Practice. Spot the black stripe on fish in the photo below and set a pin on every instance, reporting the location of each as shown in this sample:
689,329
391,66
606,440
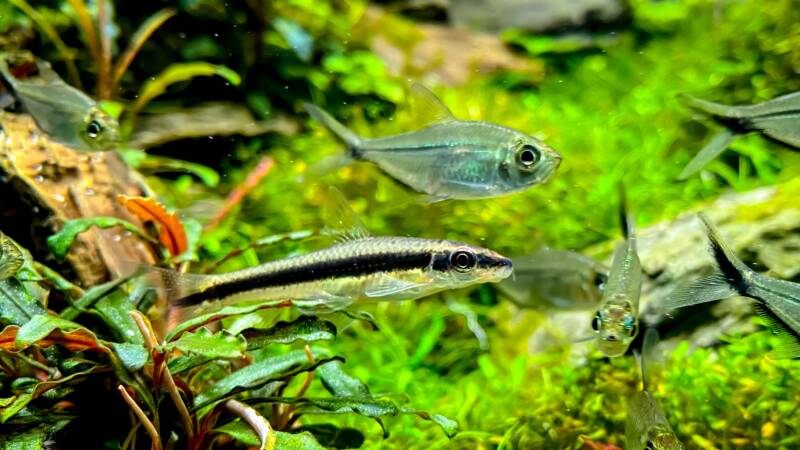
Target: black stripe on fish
727,267
355,266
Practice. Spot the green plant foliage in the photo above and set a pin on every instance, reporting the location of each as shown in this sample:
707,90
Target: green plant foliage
61,242
607,103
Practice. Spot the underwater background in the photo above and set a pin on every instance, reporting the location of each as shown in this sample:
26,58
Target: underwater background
596,80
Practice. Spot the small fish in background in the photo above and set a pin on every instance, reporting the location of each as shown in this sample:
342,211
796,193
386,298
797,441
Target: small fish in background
617,320
358,268
64,113
777,119
11,258
646,427
552,279
449,158
777,301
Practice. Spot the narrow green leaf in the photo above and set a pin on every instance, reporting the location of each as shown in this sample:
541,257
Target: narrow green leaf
132,356
177,72
259,374
212,345
156,164
183,363
60,242
305,328
39,327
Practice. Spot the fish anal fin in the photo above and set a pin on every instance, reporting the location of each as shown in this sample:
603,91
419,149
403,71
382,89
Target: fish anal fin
717,145
341,221
386,285
426,107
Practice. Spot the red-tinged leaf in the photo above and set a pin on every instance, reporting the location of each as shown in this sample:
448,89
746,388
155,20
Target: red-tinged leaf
171,232
589,444
237,195
76,341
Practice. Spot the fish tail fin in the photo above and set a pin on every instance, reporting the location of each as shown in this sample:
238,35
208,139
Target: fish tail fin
788,342
178,288
717,110
626,220
726,281
350,139
717,145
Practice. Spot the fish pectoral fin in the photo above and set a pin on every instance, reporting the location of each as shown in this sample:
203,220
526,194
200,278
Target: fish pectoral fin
788,346
717,145
387,285
341,221
426,107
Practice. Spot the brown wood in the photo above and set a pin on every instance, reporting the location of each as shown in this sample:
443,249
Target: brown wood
44,184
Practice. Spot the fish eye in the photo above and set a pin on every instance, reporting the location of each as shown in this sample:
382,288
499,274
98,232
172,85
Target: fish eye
528,155
600,280
463,260
596,322
94,129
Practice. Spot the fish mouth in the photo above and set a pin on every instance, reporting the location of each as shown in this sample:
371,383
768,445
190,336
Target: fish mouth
503,268
612,346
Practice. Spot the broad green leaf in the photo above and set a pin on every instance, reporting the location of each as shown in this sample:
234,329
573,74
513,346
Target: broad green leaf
306,328
212,345
39,327
178,72
294,441
60,242
339,383
17,304
259,374
115,311
132,356
19,402
220,314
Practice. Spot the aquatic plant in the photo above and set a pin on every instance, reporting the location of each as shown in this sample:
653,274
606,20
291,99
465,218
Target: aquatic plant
607,101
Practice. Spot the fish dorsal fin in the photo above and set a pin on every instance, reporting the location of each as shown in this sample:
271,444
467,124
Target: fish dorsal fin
426,107
651,360
341,221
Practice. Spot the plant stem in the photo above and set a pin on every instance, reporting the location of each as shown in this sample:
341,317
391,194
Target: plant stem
148,425
172,389
256,421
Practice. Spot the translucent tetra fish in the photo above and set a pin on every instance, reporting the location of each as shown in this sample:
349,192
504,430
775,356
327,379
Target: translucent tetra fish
646,427
556,280
617,320
64,113
450,158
